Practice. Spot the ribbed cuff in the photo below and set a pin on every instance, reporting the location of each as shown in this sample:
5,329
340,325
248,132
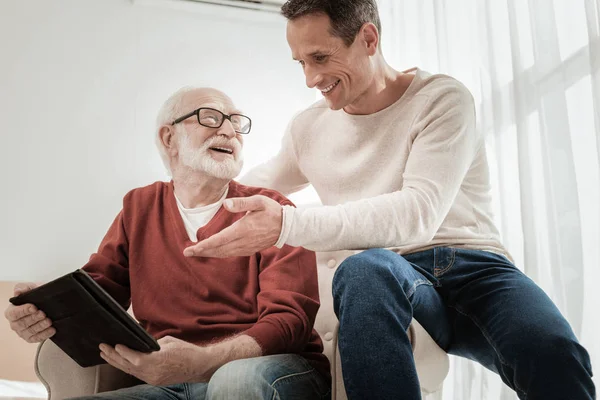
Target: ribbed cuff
286,225
267,337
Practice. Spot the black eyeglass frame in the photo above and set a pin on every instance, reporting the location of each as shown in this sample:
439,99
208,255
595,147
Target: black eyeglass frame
196,112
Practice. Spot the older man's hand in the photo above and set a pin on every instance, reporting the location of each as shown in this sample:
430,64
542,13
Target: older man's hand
257,230
176,362
26,320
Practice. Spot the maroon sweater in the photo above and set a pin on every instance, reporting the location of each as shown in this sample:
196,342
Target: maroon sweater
271,296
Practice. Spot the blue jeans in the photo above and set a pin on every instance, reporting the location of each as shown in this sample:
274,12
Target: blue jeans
282,376
474,304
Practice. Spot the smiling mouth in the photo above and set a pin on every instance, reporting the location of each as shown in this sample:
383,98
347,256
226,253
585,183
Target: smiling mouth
330,87
222,150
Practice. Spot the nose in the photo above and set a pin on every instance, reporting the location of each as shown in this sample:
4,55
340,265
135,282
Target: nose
227,129
313,78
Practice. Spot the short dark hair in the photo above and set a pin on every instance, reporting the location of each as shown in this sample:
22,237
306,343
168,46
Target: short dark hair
347,16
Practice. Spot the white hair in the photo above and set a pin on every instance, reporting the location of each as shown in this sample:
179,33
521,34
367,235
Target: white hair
170,110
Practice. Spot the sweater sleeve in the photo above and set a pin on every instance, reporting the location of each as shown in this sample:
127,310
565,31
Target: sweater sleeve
288,300
109,266
281,173
443,150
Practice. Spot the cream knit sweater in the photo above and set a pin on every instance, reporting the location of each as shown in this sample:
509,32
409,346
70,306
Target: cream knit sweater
409,177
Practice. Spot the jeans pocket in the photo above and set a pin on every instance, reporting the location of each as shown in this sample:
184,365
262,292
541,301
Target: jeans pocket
444,258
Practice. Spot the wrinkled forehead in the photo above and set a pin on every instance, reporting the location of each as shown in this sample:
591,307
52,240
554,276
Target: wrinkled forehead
211,98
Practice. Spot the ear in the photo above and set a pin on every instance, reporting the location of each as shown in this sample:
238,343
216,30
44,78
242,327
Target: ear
166,134
370,37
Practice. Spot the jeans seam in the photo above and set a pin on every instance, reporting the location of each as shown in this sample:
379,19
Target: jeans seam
437,272
288,376
417,283
491,342
186,389
275,393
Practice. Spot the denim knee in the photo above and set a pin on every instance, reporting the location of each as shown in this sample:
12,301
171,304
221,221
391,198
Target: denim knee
238,380
366,281
268,377
364,269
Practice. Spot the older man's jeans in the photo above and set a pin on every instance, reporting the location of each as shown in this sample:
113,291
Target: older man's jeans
474,304
283,376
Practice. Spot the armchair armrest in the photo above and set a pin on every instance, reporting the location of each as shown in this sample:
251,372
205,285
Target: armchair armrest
64,378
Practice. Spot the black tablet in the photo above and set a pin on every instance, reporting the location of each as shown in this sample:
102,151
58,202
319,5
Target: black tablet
84,315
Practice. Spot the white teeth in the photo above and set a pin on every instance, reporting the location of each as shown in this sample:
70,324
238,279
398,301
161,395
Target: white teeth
328,88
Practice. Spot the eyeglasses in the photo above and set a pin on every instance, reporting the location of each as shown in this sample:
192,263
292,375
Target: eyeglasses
212,118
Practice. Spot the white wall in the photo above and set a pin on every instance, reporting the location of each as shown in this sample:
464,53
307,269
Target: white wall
80,84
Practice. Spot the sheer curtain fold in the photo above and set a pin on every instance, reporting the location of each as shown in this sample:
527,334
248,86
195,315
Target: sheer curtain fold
534,69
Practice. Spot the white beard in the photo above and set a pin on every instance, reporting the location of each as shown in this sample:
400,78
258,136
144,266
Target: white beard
201,161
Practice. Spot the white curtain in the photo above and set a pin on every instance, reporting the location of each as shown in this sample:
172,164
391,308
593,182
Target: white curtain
533,67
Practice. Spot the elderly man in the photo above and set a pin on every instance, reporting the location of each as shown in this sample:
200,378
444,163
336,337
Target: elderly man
401,169
239,328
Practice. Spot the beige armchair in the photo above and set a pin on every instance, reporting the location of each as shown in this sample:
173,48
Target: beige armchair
63,378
